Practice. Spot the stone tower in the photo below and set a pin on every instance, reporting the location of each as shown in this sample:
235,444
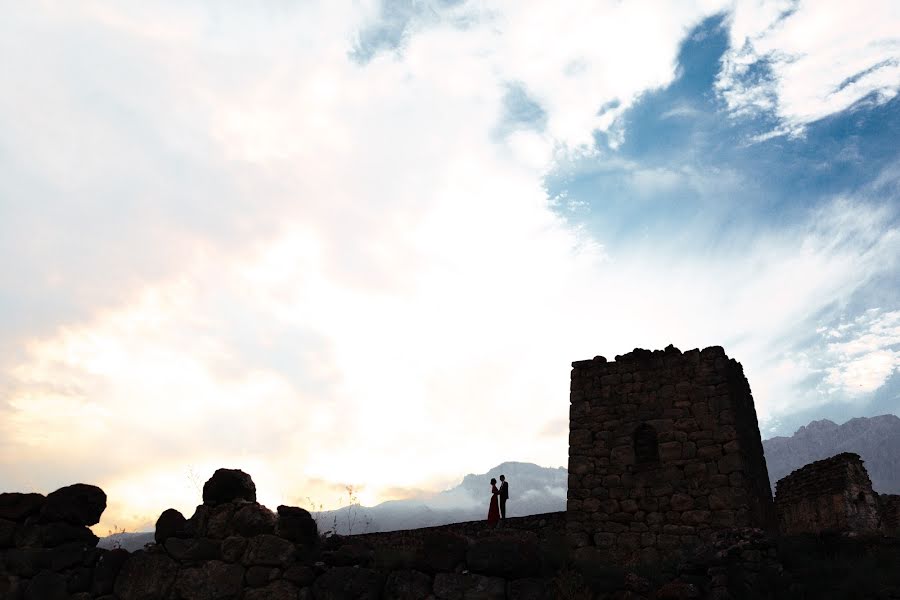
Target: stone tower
664,450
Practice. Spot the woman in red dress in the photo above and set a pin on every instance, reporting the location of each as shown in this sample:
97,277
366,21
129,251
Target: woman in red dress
494,509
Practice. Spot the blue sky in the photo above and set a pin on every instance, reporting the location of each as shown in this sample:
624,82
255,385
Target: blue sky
304,239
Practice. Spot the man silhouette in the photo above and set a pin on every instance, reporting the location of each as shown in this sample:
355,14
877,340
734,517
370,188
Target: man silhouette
504,496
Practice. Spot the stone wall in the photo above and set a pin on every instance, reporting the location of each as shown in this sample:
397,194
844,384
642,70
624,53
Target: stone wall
834,494
889,508
233,547
664,450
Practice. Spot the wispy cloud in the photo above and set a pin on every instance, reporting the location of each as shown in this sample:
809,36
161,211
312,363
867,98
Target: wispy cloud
802,61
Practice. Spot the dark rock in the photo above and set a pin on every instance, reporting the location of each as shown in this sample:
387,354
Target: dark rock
67,556
350,555
504,557
218,523
395,558
196,549
297,525
277,590
530,588
212,580
407,585
7,533
228,485
170,523
299,575
145,576
253,519
444,550
678,590
12,587
47,585
25,562
260,576
197,524
464,586
268,550
47,535
108,566
79,504
16,507
233,548
79,580
341,583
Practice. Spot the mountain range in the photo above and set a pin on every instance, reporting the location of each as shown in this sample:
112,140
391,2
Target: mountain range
534,489
875,439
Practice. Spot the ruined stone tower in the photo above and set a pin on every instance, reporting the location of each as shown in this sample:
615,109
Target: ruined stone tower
664,450
834,494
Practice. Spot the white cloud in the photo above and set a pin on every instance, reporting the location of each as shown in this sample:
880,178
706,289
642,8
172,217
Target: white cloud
866,354
803,61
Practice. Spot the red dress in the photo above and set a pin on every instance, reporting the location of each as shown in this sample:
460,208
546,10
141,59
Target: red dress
494,509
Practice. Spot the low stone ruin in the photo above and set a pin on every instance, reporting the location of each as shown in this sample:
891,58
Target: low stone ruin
834,494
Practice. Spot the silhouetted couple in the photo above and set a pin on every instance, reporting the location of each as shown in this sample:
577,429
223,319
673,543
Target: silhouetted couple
497,510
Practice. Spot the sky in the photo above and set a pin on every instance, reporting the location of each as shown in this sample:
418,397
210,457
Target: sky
360,243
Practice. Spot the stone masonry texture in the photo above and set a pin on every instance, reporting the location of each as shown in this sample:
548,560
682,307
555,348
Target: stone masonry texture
889,505
834,494
664,451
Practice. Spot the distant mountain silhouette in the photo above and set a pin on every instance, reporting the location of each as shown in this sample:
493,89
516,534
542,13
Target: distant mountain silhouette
875,439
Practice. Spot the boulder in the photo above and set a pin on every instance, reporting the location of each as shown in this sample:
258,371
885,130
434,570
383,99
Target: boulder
678,590
79,504
260,576
228,485
443,550
218,522
67,556
212,580
268,551
171,523
465,586
299,575
277,590
47,585
16,507
407,585
79,580
504,557
33,534
340,583
145,576
350,555
297,525
530,588
399,557
25,562
107,569
233,548
252,519
197,524
11,587
195,549
7,533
